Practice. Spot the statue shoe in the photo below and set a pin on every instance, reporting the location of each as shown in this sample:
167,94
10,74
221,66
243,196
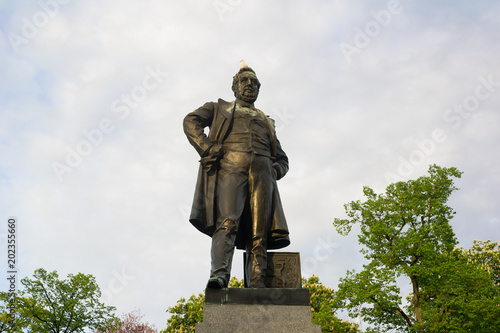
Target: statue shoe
216,283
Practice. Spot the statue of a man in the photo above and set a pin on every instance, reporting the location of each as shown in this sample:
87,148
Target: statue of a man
236,199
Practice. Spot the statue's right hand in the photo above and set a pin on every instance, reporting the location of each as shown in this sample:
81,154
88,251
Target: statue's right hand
211,160
216,151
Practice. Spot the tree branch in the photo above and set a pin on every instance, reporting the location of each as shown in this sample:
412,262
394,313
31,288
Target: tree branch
408,320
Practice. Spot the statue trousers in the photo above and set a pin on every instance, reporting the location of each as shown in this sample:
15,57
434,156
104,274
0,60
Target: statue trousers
245,185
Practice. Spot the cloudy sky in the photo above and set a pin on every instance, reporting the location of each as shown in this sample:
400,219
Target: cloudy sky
100,176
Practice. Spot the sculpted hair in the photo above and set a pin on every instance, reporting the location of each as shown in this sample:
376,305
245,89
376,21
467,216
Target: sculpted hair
237,76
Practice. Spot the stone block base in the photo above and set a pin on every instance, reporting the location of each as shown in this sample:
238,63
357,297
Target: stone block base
273,310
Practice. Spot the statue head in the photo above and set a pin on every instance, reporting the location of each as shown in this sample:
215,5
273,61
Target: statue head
246,85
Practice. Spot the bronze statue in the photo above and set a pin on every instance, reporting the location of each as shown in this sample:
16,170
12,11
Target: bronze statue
236,199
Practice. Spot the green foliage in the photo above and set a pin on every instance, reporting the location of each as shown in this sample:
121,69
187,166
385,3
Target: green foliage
406,235
185,314
12,322
487,255
463,296
47,304
324,305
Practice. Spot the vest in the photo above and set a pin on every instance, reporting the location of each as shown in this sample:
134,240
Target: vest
249,134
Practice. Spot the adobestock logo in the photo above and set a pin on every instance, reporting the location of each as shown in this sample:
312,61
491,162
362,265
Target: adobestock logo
39,20
116,285
324,249
454,116
283,118
417,157
470,104
94,137
372,29
222,7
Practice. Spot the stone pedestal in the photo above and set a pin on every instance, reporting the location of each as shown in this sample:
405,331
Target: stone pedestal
275,310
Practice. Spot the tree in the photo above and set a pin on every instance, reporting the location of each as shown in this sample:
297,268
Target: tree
465,296
186,313
47,304
406,235
323,307
12,319
131,323
486,254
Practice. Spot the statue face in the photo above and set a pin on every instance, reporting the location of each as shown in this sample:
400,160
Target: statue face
248,87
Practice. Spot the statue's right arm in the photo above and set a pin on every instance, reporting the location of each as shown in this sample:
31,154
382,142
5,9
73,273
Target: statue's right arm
194,125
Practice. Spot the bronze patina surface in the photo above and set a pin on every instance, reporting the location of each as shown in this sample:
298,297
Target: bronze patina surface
236,199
